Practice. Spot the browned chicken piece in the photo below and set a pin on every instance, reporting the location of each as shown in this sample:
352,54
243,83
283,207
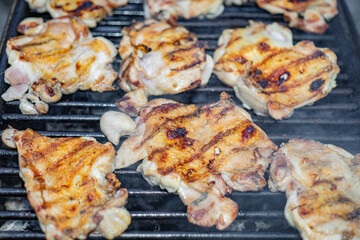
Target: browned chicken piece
89,11
269,74
54,58
307,15
322,184
201,153
171,10
162,59
70,184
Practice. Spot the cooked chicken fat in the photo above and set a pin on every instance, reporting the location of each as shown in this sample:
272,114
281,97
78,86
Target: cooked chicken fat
201,153
116,124
171,10
269,74
70,184
89,11
307,15
162,59
322,185
54,58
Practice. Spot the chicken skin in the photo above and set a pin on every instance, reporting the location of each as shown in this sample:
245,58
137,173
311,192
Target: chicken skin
201,153
322,185
171,10
307,15
54,58
269,74
89,11
162,59
70,184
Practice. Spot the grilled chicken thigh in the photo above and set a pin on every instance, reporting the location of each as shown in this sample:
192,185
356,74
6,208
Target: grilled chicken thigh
172,9
162,59
307,15
70,184
54,58
89,11
269,74
201,153
322,185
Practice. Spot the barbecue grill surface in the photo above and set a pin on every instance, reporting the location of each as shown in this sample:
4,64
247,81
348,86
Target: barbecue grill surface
156,213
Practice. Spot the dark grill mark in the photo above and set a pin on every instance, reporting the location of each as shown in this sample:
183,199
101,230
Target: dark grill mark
187,66
263,47
209,165
194,84
256,72
353,215
315,85
85,5
89,197
248,133
50,92
284,77
241,60
143,48
176,133
187,142
318,53
264,83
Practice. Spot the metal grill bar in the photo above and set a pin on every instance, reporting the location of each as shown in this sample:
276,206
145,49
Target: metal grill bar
166,235
30,215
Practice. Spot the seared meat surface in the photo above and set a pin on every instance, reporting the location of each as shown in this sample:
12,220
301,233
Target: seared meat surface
172,9
322,185
70,184
269,74
201,153
160,58
89,11
54,58
307,15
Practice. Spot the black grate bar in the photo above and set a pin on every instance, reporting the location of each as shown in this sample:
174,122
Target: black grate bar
166,235
15,171
318,121
118,34
15,116
336,91
29,215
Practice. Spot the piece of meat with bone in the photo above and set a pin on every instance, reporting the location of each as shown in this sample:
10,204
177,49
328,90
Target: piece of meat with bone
89,11
269,74
307,15
201,153
171,10
162,59
322,184
54,58
70,184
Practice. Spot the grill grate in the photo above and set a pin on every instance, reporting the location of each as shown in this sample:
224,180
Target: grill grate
158,214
